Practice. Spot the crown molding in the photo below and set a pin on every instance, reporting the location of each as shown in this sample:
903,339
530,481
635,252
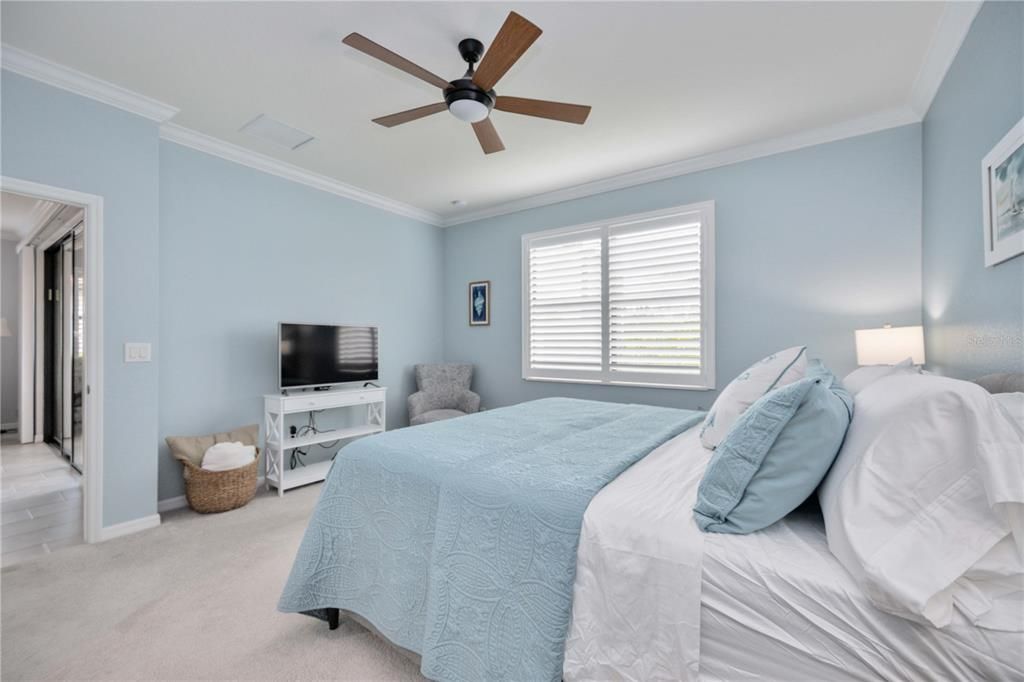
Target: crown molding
60,76
39,215
954,24
860,126
37,212
42,212
261,162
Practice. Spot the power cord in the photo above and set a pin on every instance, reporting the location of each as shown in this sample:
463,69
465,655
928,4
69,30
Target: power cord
309,427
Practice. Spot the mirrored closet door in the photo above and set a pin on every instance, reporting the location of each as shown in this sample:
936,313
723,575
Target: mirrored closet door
64,345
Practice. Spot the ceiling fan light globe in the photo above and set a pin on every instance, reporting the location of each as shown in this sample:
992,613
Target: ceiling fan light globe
468,110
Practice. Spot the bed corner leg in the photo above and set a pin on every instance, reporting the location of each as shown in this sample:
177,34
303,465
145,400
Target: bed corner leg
333,617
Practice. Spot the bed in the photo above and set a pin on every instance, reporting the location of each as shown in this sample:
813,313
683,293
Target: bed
457,540
775,604
644,594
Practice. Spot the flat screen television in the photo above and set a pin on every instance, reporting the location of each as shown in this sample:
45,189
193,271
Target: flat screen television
322,355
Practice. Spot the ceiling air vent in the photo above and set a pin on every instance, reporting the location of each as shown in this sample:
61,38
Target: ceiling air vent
276,132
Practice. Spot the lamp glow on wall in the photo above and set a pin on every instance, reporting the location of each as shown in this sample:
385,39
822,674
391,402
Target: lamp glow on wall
889,345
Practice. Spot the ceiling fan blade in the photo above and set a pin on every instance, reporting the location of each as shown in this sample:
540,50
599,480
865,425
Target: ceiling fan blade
488,136
393,120
556,111
367,46
514,37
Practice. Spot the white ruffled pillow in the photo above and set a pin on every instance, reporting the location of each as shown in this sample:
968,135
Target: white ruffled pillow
775,371
924,505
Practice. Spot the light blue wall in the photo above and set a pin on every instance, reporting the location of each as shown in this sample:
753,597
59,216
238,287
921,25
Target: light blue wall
811,245
241,250
204,257
973,315
60,139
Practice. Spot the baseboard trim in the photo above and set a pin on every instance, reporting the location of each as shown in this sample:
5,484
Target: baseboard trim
10,426
129,527
171,503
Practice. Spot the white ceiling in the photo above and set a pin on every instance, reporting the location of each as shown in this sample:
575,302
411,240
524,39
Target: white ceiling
667,81
19,214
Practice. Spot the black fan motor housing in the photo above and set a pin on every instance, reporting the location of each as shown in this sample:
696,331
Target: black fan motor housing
465,88
471,50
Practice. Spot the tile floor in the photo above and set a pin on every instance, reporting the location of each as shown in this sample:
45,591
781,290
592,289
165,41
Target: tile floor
40,501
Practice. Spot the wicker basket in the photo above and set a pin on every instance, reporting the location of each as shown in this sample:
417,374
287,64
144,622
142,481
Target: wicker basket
209,492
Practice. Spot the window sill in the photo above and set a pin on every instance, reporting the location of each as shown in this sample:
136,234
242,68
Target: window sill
627,384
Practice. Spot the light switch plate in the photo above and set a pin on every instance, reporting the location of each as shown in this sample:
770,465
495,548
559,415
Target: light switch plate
138,352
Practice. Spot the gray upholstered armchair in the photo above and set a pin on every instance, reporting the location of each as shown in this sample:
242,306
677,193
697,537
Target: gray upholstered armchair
443,393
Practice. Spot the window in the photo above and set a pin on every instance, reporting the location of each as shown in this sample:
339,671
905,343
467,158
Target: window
627,301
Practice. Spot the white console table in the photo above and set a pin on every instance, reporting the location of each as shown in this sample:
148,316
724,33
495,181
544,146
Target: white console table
278,441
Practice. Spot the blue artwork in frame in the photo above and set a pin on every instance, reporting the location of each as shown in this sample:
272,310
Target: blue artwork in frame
479,303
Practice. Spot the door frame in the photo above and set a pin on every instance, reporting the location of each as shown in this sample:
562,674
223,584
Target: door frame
92,474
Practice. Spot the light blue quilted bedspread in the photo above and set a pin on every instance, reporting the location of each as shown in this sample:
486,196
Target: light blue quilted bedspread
457,539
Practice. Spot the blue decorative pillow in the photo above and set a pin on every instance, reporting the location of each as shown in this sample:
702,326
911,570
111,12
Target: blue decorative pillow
775,455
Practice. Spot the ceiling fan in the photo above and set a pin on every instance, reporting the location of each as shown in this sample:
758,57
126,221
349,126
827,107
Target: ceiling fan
471,97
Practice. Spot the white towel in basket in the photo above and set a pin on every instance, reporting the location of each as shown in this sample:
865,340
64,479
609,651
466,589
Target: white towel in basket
224,456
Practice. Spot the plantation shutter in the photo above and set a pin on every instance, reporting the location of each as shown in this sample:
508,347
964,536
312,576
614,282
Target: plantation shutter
565,313
627,301
654,298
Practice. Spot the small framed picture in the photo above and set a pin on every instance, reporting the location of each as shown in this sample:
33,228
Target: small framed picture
1002,182
479,303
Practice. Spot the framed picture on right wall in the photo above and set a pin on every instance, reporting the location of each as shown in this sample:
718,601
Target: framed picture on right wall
1002,182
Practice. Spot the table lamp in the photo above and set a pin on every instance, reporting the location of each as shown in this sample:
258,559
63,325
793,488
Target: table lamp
889,345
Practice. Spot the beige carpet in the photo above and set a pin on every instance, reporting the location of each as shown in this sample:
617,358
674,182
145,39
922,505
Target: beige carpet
193,599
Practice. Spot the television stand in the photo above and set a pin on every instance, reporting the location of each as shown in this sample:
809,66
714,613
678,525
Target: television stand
370,401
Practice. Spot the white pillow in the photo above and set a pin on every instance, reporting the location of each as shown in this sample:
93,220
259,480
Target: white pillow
1013,404
857,380
924,505
774,371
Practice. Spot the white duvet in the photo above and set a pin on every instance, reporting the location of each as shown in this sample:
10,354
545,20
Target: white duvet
636,599
655,599
777,605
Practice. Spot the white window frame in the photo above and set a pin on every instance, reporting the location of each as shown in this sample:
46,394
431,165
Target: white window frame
705,381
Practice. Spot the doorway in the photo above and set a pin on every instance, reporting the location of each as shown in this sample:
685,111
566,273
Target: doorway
44,294
65,380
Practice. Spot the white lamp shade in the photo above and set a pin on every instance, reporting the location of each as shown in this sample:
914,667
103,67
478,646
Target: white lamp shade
5,329
890,345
